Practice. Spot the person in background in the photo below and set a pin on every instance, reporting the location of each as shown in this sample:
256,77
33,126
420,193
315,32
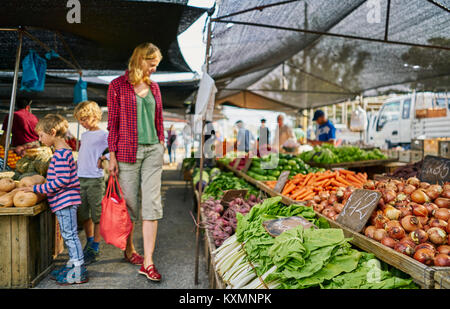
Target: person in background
94,143
244,137
187,139
23,134
263,138
63,193
326,132
299,134
171,144
282,133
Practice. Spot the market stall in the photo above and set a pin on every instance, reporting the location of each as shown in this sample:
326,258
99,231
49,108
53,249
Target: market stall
404,240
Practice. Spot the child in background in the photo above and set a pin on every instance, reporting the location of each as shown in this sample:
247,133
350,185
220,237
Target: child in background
93,144
63,192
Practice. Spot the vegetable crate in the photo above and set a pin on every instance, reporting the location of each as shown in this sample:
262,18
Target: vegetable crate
442,279
27,239
422,274
215,281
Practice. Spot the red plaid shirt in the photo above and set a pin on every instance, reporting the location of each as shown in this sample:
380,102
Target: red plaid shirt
122,118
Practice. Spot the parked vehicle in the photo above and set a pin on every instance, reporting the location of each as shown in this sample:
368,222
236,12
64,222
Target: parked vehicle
396,123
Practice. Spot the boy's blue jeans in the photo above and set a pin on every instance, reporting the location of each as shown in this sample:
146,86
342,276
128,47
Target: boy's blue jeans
67,218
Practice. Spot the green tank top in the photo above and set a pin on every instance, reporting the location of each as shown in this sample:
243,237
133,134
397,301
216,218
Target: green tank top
146,119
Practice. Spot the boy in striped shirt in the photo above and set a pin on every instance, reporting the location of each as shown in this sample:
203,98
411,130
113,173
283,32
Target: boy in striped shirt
63,193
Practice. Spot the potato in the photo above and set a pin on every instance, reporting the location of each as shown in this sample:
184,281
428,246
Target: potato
31,181
7,200
25,199
7,184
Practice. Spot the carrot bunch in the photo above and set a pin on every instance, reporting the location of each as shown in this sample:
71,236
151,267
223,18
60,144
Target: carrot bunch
305,187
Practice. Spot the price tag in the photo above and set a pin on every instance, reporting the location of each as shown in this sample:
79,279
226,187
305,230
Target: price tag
435,170
236,163
230,195
248,162
281,181
358,209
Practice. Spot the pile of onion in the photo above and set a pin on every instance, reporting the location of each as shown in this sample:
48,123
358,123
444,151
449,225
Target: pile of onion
413,218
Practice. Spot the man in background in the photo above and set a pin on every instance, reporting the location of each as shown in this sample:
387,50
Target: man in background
244,137
326,132
282,133
22,130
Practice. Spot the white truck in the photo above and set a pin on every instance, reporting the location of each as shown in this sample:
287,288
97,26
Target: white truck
396,123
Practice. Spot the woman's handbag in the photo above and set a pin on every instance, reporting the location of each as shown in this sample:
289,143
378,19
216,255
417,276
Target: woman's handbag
115,222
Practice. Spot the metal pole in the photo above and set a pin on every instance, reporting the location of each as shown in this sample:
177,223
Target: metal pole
200,188
13,101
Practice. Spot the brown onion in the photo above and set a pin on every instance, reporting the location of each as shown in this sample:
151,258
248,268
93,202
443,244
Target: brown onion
418,236
411,223
434,191
426,227
419,196
396,232
423,220
446,194
369,184
404,248
328,211
419,210
409,189
442,202
424,185
405,211
324,195
317,199
426,245
445,249
442,260
446,186
380,221
391,186
448,226
424,256
391,212
380,234
318,208
400,187
413,181
437,235
338,207
389,242
389,195
442,214
370,231
391,224
409,241
332,199
431,207
439,223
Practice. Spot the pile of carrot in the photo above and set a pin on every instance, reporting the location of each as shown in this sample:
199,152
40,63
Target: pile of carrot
305,187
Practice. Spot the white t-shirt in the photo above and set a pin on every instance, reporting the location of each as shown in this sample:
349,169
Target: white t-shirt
93,144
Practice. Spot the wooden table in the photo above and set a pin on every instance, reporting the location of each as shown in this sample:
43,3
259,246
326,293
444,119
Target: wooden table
27,240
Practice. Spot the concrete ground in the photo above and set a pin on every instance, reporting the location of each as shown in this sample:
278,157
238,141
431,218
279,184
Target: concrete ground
175,249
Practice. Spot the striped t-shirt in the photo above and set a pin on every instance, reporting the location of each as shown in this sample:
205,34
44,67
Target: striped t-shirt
62,186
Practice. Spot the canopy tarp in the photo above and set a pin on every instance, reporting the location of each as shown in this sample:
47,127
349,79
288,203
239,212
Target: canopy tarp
320,68
105,38
248,99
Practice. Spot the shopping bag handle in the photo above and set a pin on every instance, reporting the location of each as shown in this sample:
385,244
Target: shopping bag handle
112,182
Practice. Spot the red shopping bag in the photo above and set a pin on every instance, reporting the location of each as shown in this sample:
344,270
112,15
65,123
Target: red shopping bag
115,222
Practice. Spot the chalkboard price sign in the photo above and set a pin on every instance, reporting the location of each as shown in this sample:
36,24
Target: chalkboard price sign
435,170
358,209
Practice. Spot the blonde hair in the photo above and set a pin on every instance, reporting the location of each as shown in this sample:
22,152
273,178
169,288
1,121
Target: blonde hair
87,109
144,51
53,122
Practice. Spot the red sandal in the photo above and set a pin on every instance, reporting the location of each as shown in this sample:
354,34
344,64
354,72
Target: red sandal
150,272
135,259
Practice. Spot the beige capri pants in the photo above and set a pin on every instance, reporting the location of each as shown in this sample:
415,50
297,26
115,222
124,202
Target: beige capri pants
141,182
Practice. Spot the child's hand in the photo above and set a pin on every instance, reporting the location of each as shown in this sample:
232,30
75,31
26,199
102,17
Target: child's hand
99,162
26,189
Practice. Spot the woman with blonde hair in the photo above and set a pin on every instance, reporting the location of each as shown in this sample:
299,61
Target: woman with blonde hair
136,145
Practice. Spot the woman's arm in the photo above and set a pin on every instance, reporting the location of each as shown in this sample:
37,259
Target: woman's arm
113,118
159,116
